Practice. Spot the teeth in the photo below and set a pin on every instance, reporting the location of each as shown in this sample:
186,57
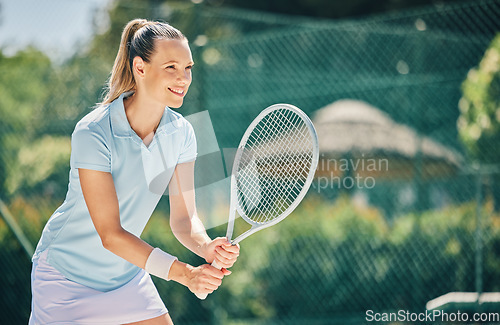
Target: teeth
178,91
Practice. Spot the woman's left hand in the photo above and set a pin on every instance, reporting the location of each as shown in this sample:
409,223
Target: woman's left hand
222,251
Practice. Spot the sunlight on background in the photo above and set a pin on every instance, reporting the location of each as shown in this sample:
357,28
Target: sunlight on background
57,27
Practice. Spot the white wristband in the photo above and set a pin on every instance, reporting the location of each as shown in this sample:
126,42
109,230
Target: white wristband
159,263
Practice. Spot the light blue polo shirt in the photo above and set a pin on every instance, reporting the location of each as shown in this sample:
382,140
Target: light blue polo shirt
103,140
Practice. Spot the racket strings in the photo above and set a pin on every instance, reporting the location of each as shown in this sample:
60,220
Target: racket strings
275,165
286,194
299,175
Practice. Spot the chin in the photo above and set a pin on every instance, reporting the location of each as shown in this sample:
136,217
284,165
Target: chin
173,102
175,105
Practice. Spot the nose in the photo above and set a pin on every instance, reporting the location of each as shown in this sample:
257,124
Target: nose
184,77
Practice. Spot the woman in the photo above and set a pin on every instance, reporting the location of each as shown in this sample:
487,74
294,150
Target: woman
90,266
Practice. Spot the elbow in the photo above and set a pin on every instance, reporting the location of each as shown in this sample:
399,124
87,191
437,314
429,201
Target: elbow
106,242
109,239
176,223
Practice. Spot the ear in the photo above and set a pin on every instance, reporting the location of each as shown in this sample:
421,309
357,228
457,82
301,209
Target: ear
138,67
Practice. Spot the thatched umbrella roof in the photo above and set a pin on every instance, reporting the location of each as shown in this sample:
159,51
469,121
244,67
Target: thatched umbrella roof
357,129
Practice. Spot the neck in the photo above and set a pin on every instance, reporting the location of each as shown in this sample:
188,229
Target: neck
143,115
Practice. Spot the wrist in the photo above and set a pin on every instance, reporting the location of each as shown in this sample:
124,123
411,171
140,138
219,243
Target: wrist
159,263
180,272
203,248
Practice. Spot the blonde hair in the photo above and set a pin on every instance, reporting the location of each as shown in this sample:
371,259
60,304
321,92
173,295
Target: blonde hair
137,40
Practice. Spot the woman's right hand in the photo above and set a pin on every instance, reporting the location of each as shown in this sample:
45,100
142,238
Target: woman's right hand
204,279
201,279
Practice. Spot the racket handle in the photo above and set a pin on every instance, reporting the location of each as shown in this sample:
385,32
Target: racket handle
202,296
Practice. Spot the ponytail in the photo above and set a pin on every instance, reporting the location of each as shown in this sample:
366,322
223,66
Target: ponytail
137,40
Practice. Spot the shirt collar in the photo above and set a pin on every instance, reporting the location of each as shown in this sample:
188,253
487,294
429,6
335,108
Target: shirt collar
119,123
121,127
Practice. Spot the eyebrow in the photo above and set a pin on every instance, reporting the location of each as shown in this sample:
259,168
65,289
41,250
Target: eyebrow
173,61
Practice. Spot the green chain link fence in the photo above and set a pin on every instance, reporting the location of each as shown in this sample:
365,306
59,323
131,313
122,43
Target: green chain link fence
424,223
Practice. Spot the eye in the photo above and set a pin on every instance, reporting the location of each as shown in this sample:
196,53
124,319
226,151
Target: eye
170,67
189,67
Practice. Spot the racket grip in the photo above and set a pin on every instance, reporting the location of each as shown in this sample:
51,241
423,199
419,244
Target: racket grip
202,296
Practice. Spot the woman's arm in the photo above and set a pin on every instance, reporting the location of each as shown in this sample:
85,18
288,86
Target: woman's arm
100,195
186,225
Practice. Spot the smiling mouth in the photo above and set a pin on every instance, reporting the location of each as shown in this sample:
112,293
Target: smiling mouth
177,91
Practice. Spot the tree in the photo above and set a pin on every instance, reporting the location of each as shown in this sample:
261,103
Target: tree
24,81
479,121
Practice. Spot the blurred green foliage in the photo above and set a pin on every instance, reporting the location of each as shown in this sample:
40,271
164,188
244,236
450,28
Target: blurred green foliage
40,104
326,258
335,257
479,122
43,161
25,82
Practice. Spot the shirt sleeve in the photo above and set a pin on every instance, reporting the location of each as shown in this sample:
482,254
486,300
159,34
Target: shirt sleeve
189,150
89,149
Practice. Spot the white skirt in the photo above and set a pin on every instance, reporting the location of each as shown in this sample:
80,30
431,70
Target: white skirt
57,300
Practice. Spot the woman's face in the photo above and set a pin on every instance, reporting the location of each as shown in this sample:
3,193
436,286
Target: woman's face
168,74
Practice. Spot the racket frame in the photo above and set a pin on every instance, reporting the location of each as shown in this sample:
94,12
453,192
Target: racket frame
234,206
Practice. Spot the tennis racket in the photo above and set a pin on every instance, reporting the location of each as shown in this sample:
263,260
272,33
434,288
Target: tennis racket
272,170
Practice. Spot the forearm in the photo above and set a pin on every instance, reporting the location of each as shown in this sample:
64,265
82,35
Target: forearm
128,247
184,221
191,233
138,252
